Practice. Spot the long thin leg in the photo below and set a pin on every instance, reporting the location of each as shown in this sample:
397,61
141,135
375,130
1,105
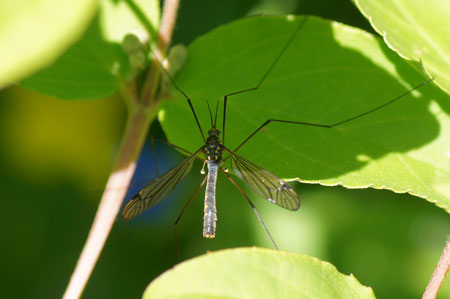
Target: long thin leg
181,214
271,67
179,148
225,99
253,207
184,94
335,124
175,146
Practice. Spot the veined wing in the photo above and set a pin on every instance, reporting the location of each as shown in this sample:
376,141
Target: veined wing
157,190
264,183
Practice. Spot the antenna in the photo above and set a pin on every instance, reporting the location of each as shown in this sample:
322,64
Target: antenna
215,118
210,116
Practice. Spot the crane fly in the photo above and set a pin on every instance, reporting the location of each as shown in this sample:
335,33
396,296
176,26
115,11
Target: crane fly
259,180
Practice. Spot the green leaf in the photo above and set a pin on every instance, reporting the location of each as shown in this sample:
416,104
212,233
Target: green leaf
35,32
417,30
255,273
96,65
329,73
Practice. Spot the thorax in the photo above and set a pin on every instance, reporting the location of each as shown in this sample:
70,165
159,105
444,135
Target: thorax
213,147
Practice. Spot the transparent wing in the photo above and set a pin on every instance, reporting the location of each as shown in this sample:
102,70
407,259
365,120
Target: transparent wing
157,190
264,183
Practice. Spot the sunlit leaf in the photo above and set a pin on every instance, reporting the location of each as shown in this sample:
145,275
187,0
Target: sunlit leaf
255,273
417,30
95,66
34,33
329,73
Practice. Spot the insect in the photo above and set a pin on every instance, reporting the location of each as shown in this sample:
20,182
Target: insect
261,181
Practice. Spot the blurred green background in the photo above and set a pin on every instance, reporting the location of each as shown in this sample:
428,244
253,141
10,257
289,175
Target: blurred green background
56,155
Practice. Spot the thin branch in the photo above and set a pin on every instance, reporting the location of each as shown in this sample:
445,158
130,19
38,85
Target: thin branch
168,19
165,35
110,203
139,119
439,274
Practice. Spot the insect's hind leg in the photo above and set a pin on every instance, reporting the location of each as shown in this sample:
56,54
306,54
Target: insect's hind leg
174,146
253,207
328,126
177,147
181,215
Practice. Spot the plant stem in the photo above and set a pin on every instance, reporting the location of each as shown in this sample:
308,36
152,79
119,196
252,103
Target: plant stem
439,274
142,111
165,35
134,136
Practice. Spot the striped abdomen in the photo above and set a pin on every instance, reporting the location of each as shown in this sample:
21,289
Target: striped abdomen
210,211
